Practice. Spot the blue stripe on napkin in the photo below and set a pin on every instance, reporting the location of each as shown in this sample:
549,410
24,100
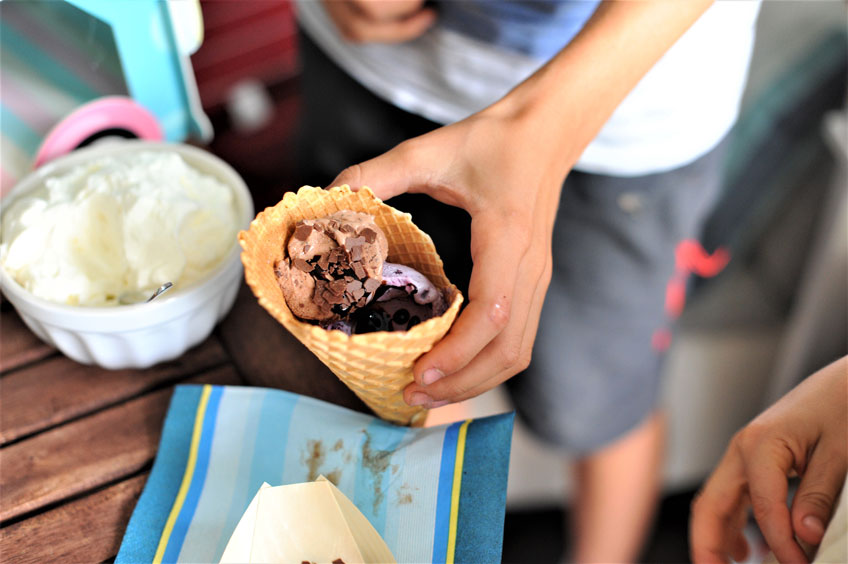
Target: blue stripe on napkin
154,505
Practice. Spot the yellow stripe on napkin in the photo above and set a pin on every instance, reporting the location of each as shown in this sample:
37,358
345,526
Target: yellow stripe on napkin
189,472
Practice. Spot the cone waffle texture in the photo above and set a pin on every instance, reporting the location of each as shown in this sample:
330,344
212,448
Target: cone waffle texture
376,366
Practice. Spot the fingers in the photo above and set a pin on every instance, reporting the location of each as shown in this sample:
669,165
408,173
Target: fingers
490,308
392,173
767,468
718,513
817,493
380,22
387,10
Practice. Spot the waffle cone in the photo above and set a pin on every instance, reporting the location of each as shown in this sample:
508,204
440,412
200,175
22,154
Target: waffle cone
376,366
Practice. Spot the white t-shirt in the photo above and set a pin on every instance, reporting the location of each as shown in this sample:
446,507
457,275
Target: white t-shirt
679,110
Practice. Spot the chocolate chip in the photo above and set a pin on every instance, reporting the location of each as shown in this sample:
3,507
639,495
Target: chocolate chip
302,265
323,262
337,287
346,228
369,235
338,561
358,270
371,284
302,231
306,248
352,242
354,286
356,253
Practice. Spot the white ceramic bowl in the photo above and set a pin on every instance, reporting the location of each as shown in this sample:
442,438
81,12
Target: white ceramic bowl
139,335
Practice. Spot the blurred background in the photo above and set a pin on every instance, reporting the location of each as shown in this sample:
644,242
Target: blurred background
777,313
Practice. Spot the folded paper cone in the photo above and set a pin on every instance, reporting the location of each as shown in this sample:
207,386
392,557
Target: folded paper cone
376,366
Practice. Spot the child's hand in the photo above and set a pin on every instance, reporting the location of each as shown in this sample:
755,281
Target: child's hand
805,432
511,190
380,21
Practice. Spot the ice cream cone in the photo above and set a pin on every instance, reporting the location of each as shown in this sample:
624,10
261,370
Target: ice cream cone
376,366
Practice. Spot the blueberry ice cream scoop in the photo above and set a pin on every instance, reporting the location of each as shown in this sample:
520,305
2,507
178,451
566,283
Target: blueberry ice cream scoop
405,299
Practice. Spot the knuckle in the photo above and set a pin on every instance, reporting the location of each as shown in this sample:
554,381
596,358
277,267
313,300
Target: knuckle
451,360
406,150
762,507
352,176
510,356
749,437
451,389
816,498
498,312
524,359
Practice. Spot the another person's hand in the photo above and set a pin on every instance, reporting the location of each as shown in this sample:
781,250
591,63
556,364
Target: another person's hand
380,21
508,178
805,432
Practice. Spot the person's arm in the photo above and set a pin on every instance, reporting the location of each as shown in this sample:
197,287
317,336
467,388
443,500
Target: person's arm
805,432
505,165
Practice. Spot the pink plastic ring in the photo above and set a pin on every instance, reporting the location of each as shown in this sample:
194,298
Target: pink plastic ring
112,112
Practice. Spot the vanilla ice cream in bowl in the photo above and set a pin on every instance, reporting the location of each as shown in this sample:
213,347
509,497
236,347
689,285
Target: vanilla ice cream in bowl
86,239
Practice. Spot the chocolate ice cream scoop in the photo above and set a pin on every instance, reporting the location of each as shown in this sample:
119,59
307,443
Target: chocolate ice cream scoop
335,273
333,265
355,232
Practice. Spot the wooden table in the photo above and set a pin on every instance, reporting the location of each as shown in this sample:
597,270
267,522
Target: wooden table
77,442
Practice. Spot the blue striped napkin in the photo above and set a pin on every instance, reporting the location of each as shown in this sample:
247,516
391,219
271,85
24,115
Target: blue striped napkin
434,495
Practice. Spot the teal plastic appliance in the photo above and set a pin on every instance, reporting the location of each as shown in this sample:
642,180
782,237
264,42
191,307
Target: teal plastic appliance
73,72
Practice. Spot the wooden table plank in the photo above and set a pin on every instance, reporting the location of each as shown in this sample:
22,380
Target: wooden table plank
88,529
88,453
18,345
59,389
268,355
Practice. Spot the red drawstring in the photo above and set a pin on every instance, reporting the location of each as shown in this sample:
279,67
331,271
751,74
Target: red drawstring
689,257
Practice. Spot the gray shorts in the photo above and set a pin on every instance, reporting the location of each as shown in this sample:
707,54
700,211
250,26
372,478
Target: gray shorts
595,372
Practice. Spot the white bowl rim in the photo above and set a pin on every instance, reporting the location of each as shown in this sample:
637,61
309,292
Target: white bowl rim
134,316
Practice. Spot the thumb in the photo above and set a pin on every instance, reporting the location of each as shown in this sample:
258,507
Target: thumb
388,175
815,499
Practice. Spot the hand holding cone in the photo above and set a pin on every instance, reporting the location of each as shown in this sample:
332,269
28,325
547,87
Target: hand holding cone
376,366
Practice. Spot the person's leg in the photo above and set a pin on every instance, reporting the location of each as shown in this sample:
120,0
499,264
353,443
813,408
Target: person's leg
618,488
593,385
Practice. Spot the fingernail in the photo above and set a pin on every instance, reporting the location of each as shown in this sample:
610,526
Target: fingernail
431,375
814,524
419,398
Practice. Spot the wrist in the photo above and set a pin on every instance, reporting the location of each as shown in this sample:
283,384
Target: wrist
530,119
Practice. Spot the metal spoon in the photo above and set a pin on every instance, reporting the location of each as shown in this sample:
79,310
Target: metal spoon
137,297
160,290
